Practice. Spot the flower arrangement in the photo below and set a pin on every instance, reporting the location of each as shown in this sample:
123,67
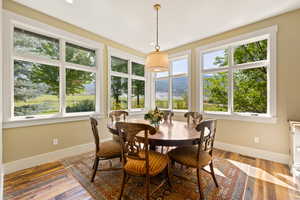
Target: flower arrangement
154,117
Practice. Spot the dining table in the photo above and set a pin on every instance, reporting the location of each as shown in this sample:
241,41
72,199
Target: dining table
169,133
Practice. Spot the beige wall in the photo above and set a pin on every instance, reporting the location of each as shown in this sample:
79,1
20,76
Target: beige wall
273,137
24,142
29,141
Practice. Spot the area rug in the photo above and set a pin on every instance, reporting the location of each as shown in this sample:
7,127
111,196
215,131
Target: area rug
232,181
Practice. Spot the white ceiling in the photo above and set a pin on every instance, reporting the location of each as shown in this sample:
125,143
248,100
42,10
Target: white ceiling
132,22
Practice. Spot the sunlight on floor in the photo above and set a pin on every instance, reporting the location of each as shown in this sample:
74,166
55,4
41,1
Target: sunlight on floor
258,173
217,172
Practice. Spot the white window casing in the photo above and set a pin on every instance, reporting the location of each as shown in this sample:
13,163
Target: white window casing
268,33
11,20
112,52
172,58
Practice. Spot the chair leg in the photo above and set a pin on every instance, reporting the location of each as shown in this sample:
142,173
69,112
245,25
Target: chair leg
94,163
172,163
95,168
168,175
199,184
212,171
123,185
147,187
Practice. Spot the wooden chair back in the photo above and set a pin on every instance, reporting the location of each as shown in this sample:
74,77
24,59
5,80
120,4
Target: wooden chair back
207,131
168,115
116,115
94,124
132,146
195,117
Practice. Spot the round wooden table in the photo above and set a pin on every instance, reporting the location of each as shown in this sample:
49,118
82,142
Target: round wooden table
177,133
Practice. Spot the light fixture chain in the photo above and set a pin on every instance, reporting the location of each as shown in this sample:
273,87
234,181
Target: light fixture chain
157,47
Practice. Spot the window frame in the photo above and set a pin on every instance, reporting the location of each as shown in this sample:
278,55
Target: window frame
174,57
11,21
112,52
268,33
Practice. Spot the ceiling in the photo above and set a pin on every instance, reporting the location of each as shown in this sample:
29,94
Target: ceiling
132,22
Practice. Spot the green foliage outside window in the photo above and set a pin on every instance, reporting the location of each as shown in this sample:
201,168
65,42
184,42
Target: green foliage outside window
36,86
250,85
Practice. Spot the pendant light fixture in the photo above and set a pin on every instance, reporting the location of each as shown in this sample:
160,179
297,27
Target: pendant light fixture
157,61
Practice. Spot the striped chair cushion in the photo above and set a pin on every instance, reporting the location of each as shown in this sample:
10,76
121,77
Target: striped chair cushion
188,156
109,149
157,163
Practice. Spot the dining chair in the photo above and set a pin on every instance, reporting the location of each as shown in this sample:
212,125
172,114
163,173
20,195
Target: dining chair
196,117
201,155
104,150
117,115
168,115
137,159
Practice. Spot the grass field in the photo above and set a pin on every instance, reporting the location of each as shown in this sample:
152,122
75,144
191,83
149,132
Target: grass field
124,105
47,104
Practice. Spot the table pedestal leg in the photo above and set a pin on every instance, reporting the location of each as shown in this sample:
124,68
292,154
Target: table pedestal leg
152,147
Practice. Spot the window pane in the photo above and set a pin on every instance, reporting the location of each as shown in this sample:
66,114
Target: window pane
36,89
119,65
215,59
180,93
138,94
162,74
180,66
35,44
80,55
81,91
138,69
119,93
215,92
251,52
162,93
250,90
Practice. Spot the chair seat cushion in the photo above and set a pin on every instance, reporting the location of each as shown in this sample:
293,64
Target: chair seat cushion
188,156
157,163
109,149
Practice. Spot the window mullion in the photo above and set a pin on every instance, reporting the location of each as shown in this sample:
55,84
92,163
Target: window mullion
129,92
62,77
170,86
230,80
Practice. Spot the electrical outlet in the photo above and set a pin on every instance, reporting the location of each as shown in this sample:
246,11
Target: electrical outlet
256,140
55,141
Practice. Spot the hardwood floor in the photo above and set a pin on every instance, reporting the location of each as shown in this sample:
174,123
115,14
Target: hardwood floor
266,180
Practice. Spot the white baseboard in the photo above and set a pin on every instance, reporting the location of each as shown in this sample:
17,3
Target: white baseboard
257,153
48,157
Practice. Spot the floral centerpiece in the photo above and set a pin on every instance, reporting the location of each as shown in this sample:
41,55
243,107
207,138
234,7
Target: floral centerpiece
154,117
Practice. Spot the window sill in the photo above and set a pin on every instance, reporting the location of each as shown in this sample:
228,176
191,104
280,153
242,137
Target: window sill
242,117
16,123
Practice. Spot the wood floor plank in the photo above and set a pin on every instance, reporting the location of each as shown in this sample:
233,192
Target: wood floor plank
265,180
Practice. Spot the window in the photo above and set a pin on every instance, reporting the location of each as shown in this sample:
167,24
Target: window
127,82
237,79
51,76
172,87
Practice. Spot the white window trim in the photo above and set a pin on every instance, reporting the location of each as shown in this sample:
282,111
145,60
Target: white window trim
177,56
10,20
112,52
269,33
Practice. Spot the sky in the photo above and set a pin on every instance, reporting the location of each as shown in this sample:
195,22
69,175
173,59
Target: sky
209,58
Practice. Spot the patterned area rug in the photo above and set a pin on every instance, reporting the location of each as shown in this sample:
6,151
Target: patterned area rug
232,181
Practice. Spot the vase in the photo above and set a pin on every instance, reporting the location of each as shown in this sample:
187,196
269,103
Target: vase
155,124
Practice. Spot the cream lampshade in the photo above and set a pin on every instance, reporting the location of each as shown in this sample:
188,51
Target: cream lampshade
157,61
